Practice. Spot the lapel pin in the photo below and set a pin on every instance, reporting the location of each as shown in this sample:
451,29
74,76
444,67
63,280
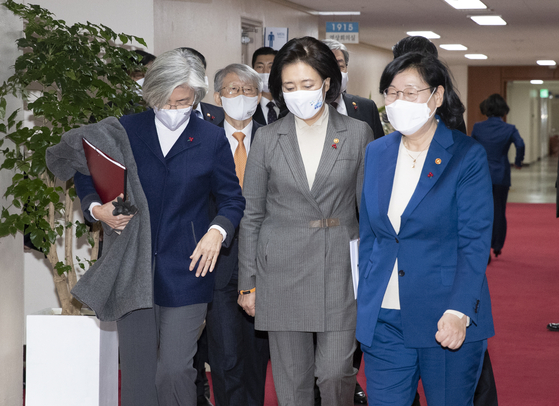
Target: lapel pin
208,114
334,146
190,139
438,161
354,105
336,140
430,174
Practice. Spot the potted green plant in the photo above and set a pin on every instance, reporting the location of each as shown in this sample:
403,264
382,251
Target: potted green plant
67,76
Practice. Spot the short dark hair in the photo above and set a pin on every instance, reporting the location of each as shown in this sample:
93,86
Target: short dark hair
262,51
314,53
435,73
197,54
414,44
144,57
494,106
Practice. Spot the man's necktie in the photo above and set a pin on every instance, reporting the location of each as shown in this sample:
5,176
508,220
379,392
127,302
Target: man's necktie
272,115
240,156
335,105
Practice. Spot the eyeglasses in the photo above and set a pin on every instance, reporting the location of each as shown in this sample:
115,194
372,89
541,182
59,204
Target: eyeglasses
234,90
410,94
181,104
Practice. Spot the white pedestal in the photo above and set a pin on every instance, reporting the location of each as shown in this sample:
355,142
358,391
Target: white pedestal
71,360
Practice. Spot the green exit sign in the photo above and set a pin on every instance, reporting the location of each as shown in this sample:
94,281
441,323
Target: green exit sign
544,93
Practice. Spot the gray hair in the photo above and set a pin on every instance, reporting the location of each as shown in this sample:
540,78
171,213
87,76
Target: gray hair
170,70
333,45
245,73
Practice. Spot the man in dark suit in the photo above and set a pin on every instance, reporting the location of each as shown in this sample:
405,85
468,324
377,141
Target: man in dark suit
350,105
238,355
268,109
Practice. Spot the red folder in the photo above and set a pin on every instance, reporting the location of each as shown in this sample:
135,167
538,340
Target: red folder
109,176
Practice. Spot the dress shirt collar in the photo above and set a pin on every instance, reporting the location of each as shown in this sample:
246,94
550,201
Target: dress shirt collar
229,129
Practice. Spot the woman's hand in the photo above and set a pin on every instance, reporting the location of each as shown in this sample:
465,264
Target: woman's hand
452,331
207,252
105,214
248,303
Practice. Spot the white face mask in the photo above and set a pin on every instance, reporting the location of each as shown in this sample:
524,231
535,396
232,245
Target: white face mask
173,119
304,103
408,117
344,82
240,107
265,78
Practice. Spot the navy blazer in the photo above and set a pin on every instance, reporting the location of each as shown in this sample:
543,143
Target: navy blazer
212,114
227,262
443,243
177,188
364,110
496,136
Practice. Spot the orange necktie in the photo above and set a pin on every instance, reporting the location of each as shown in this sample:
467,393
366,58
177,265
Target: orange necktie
240,156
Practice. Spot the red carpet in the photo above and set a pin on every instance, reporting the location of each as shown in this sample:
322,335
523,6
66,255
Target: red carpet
524,285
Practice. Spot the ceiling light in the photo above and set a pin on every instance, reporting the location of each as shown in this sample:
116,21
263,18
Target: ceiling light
536,82
337,13
476,56
488,20
453,47
426,34
466,4
546,62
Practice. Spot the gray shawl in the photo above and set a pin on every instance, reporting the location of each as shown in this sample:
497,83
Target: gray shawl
121,280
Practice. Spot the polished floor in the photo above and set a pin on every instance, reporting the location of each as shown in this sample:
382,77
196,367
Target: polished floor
534,183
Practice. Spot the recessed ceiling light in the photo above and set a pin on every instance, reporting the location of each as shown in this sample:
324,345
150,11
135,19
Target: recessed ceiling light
476,56
426,34
466,4
488,20
536,82
546,62
453,47
337,13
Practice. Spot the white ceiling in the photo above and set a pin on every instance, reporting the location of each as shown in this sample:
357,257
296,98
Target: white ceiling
531,33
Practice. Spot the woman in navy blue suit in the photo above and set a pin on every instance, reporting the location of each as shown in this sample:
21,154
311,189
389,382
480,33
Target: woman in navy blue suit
181,161
425,228
496,136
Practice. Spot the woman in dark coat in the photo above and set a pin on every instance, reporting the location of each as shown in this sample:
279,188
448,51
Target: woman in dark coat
496,136
181,161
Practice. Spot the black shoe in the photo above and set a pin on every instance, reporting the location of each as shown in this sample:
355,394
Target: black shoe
497,253
317,398
553,326
203,401
359,397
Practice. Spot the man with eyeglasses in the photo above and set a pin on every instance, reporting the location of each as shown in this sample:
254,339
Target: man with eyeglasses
238,355
350,105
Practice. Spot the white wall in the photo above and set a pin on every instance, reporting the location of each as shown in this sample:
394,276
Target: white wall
213,27
366,64
133,17
523,101
11,251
